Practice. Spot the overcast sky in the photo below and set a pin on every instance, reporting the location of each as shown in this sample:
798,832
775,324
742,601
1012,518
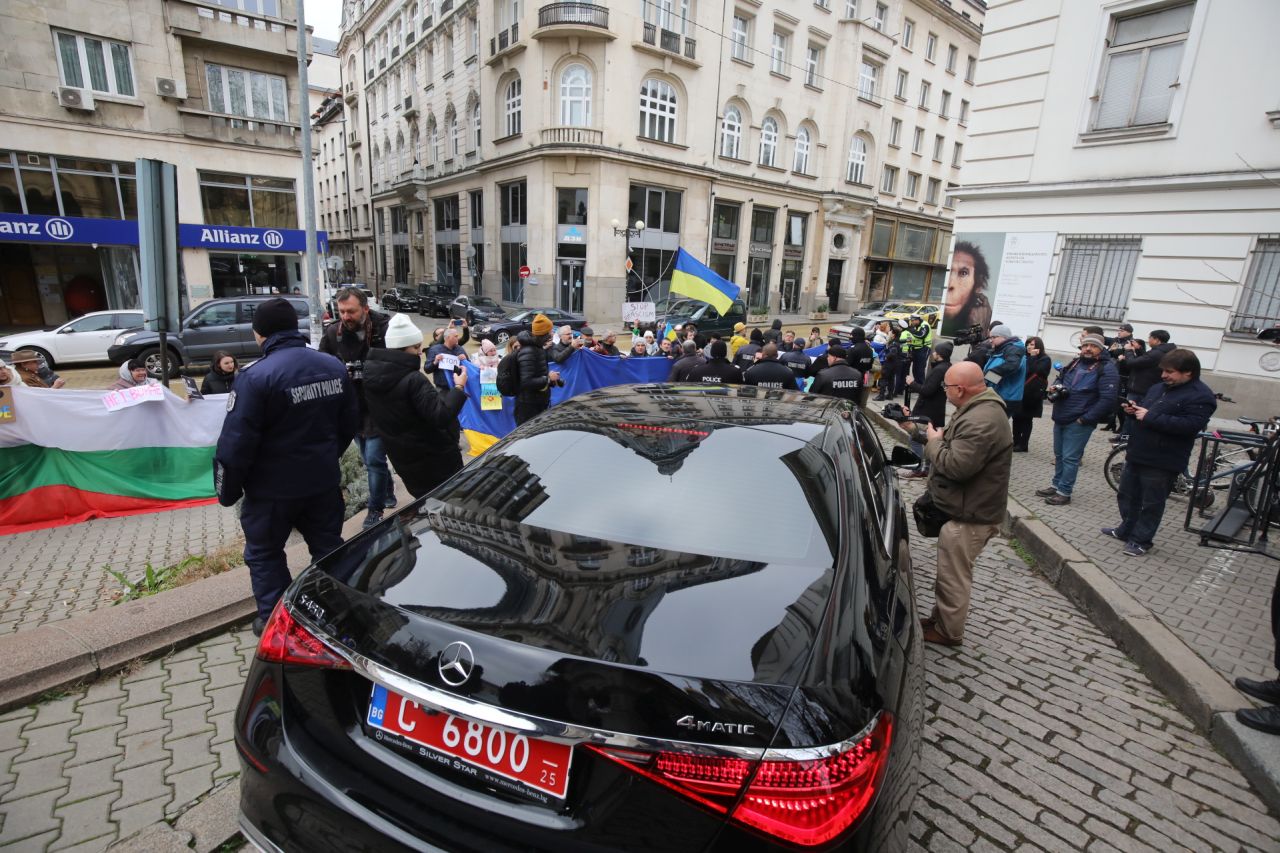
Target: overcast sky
325,18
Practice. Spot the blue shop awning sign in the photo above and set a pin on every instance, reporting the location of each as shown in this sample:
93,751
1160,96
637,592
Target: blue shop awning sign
22,228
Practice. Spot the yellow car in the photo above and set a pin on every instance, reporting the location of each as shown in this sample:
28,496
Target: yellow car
903,310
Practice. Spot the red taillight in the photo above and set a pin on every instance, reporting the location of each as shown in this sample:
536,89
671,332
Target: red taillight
284,640
806,802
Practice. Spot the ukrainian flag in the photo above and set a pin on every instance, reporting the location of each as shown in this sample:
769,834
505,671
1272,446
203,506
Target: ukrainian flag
669,332
694,279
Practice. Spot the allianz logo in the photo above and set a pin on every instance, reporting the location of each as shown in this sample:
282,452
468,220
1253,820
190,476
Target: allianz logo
57,228
271,239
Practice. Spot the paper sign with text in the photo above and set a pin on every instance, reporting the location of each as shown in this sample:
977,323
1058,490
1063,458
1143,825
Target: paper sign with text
126,397
490,399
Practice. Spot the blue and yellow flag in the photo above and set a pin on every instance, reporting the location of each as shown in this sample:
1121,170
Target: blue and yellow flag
694,279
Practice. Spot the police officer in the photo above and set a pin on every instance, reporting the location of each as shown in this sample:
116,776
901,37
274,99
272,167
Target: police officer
919,336
839,379
289,418
768,372
717,368
860,355
796,359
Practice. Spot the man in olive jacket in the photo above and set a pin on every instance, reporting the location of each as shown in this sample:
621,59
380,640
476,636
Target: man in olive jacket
969,481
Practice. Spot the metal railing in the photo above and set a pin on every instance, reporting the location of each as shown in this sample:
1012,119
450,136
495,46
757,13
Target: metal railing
1260,299
1095,276
504,39
670,41
587,14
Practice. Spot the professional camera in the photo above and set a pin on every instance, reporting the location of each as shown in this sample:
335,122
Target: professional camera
355,370
1056,392
894,412
970,336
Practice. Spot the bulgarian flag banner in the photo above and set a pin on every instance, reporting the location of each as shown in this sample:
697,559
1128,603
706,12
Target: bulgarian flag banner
69,456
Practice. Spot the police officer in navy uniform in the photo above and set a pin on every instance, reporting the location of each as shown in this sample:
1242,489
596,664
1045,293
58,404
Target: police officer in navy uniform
768,372
839,378
289,418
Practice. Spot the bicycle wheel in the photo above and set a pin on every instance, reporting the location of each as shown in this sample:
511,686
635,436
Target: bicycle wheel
1114,466
1253,488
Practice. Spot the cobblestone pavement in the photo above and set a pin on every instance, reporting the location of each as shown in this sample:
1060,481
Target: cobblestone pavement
1216,601
1041,736
50,574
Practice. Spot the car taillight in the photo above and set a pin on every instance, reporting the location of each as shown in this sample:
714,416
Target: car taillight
284,640
806,801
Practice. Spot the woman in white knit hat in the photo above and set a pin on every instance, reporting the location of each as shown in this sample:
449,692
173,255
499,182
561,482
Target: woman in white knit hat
417,421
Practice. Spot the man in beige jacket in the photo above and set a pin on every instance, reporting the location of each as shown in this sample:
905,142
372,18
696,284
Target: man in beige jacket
969,481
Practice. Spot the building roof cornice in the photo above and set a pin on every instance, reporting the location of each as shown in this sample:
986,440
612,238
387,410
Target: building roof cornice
1236,179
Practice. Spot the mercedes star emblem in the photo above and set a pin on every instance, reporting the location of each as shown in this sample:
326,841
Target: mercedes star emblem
456,663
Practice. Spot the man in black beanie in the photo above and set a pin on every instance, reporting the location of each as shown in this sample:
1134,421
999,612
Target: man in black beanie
717,368
289,418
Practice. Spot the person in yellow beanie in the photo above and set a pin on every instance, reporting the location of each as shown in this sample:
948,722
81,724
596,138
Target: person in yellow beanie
738,339
541,325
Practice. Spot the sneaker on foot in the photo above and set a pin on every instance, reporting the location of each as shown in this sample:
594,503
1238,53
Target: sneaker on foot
1044,493
1133,549
372,517
1113,532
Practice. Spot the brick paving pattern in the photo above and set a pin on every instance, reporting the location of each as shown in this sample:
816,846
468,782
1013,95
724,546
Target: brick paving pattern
51,574
1040,735
1216,601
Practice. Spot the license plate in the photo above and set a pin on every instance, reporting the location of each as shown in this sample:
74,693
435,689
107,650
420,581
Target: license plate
475,748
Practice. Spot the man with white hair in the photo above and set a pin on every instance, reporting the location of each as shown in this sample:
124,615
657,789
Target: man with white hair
448,352
564,345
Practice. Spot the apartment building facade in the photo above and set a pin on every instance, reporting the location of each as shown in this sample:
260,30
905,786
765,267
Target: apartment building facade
1141,139
209,85
803,150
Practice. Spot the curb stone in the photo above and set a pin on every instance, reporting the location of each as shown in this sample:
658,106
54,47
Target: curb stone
204,827
1198,690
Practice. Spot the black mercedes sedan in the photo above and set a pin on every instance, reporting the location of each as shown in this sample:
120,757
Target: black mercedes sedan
516,662
502,329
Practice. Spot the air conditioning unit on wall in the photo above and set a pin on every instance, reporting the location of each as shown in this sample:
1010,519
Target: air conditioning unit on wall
168,87
75,99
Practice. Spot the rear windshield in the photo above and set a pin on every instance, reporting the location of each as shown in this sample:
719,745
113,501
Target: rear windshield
736,492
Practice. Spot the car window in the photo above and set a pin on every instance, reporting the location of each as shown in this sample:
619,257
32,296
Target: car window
97,323
128,319
222,314
518,316
484,301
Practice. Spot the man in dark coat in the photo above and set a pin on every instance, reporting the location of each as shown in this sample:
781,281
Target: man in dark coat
796,359
839,378
417,421
1087,389
773,334
746,355
768,372
717,368
1165,427
359,328
1143,369
931,398
535,377
691,360
289,418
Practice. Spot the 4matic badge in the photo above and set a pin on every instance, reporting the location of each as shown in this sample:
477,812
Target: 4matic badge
690,723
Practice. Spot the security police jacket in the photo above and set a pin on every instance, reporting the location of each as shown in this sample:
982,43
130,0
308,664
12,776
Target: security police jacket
770,373
861,356
717,370
289,418
839,380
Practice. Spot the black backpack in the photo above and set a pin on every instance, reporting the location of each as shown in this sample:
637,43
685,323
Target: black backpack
509,375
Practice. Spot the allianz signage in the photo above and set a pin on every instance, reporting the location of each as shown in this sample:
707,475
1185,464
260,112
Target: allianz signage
21,228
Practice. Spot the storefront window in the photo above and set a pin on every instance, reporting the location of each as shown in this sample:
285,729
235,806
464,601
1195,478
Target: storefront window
239,275
226,205
85,194
37,188
242,200
10,198
724,239
881,238
915,242
571,207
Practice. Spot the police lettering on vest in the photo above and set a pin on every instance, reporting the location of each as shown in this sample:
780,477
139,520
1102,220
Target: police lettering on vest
315,390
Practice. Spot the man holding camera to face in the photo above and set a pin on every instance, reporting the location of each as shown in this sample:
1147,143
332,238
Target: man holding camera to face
1082,398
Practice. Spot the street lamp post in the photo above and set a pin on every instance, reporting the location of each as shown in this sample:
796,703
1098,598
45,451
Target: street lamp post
632,231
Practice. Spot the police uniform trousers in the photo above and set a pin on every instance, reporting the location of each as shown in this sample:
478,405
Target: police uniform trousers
267,524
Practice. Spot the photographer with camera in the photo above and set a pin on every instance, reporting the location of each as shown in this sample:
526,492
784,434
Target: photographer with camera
536,379
1121,347
358,328
931,399
1082,397
969,484
1006,368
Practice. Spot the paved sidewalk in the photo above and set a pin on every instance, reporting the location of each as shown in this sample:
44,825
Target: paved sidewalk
51,574
1216,601
1040,735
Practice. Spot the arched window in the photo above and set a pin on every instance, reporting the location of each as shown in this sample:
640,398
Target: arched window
512,111
475,123
768,142
414,146
801,162
575,96
398,166
658,110
433,135
857,161
357,180
455,136
731,133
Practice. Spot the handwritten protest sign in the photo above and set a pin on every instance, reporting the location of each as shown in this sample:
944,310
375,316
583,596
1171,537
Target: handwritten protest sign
127,397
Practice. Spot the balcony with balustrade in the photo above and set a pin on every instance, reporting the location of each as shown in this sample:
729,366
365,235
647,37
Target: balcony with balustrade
581,20
571,136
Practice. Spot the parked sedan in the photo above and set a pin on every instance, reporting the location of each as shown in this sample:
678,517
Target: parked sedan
475,309
400,299
865,322
84,340
513,663
505,328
